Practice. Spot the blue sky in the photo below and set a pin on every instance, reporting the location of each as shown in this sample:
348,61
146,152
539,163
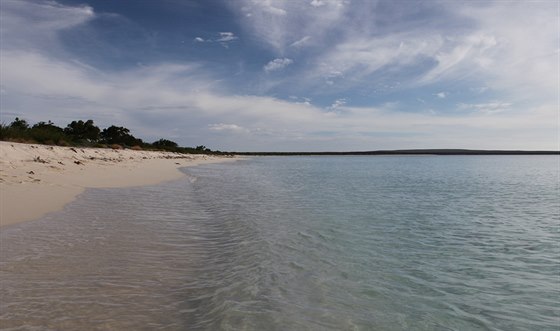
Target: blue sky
309,75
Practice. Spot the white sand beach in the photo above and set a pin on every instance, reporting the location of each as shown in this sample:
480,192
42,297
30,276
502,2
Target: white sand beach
38,179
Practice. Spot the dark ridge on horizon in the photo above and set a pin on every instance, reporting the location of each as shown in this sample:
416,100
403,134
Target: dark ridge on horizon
408,152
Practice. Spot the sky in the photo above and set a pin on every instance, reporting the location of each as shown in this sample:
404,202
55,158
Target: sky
292,75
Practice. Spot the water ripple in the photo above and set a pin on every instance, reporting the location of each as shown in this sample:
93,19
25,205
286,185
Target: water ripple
382,243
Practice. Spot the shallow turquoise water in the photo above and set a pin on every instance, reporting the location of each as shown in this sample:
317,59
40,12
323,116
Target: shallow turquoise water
300,243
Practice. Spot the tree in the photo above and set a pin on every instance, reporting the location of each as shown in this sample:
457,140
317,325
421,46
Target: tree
49,126
202,149
19,124
164,143
119,135
48,133
80,130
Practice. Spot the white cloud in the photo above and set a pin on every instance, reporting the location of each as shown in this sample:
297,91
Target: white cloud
277,64
512,47
46,15
226,37
278,23
232,128
301,42
154,100
331,76
441,95
317,3
487,108
48,18
367,59
270,7
458,60
360,57
507,47
337,104
301,100
31,73
525,57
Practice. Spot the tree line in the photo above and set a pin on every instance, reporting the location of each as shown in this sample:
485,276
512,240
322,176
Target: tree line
86,133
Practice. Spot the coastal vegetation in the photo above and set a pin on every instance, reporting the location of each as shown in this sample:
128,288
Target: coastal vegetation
87,134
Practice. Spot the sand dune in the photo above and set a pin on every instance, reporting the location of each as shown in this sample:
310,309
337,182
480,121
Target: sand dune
37,179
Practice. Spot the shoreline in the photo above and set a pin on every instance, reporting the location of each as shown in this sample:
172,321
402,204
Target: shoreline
39,179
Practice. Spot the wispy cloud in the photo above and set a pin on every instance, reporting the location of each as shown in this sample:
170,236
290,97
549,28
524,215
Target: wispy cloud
337,104
270,8
40,80
48,19
374,61
231,128
158,99
483,44
280,23
458,59
301,42
524,58
277,64
224,38
487,108
317,3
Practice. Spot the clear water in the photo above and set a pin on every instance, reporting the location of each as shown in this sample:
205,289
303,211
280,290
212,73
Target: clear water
299,243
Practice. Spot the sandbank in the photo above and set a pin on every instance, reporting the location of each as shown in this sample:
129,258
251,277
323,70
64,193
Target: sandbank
38,179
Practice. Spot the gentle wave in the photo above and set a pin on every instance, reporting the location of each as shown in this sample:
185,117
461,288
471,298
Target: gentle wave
349,243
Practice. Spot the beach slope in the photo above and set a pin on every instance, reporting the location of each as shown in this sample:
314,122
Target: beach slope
38,179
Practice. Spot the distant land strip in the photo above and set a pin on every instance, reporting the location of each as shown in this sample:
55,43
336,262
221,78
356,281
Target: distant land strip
407,152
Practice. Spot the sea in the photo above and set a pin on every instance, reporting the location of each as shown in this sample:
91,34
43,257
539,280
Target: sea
299,243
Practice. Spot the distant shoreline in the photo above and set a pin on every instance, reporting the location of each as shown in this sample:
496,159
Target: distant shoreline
406,152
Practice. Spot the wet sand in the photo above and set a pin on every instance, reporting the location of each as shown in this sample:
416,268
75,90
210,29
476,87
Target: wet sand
38,179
